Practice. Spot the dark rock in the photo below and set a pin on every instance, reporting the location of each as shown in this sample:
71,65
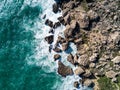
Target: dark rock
49,23
76,84
64,46
70,58
49,39
67,19
64,70
56,49
56,57
61,20
57,24
55,8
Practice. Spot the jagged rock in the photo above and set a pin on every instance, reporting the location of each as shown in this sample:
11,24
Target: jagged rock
65,12
49,39
93,15
87,73
56,49
55,8
75,58
116,60
78,41
83,20
114,80
79,71
56,57
70,58
61,40
67,19
70,5
92,65
111,74
64,46
61,19
71,29
76,84
64,70
83,60
88,83
49,23
94,57
57,24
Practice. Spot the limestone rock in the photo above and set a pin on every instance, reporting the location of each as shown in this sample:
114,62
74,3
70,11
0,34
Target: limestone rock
88,83
64,70
83,20
87,73
94,57
111,74
79,71
116,60
93,15
83,60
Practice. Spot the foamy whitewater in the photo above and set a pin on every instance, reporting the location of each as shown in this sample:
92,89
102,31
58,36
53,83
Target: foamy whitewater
42,56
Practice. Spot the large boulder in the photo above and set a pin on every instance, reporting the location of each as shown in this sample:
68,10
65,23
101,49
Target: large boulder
55,8
111,74
83,20
71,29
79,71
88,83
49,39
116,60
64,70
93,15
94,57
87,73
49,23
83,60
70,58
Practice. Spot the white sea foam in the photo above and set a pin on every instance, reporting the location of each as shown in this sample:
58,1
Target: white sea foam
43,57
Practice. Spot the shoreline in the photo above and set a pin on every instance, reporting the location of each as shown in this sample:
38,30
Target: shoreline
94,38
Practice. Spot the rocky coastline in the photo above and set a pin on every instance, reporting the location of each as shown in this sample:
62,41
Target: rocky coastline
94,27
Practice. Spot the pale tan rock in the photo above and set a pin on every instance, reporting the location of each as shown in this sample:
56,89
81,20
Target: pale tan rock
79,71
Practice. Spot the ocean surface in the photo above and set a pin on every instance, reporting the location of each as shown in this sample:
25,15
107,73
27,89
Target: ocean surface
25,63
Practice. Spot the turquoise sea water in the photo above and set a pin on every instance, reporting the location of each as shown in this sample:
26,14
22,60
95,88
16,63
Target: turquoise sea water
17,44
25,63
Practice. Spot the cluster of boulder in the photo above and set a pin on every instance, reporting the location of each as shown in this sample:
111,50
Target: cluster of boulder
98,50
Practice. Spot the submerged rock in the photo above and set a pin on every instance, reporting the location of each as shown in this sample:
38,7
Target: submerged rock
64,70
